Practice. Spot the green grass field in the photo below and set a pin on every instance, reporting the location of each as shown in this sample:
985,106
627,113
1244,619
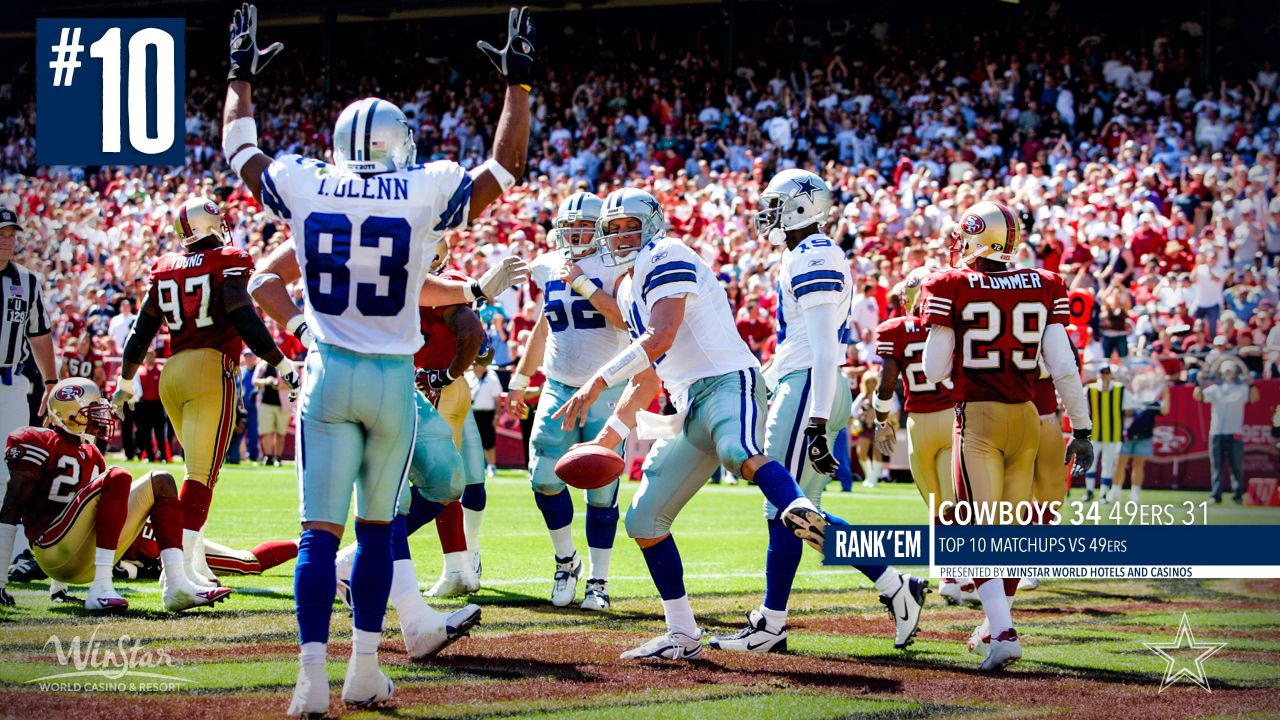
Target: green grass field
1084,655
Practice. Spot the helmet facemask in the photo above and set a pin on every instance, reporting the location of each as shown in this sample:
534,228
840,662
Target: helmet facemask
575,239
621,248
768,220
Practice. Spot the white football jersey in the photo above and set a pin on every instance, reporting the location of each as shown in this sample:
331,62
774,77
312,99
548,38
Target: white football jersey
365,243
707,343
814,273
580,340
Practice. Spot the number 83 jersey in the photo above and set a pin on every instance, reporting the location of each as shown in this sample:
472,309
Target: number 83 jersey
365,243
580,340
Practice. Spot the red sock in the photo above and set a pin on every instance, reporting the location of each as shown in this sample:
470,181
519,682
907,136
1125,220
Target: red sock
1011,587
166,522
113,508
979,582
195,504
274,552
449,525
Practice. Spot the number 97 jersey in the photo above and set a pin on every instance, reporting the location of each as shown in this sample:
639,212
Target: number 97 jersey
999,321
365,243
187,287
580,341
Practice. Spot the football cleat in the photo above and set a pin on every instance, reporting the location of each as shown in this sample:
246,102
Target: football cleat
1088,496
905,606
1005,650
969,595
365,685
755,637
476,567
1028,583
428,632
62,597
671,645
102,597
25,568
804,520
1113,495
597,597
564,584
179,597
345,561
949,591
311,694
454,583
980,639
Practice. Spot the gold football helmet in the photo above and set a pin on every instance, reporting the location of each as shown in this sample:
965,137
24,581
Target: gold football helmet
986,230
198,218
909,288
77,406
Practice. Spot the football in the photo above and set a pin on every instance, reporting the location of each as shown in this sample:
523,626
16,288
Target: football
589,467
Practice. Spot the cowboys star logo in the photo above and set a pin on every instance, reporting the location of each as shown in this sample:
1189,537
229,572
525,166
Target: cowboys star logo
972,224
653,204
806,187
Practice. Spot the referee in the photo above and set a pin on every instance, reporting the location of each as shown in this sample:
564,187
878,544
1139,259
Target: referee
22,317
1106,408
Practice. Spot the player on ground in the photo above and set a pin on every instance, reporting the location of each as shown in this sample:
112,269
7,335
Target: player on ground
685,337
79,515
366,229
810,401
202,295
989,326
142,559
579,329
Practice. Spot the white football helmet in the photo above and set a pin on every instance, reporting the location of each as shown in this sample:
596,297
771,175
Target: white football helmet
793,199
199,218
986,230
77,406
621,249
373,136
577,242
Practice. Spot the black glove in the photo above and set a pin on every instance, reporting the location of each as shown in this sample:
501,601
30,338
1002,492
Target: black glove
246,59
6,598
433,380
515,59
1081,449
820,457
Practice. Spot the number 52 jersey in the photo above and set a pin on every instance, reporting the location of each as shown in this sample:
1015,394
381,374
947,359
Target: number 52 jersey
365,243
580,340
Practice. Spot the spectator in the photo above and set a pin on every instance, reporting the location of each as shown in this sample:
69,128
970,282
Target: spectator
273,418
120,325
153,424
486,392
754,326
1227,394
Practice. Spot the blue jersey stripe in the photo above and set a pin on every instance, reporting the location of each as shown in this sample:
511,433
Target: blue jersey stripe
817,275
819,287
667,280
666,268
271,197
451,217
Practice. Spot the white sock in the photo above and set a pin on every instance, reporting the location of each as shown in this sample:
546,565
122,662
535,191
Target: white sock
175,568
774,620
562,541
471,521
600,558
190,538
404,587
455,561
889,581
312,653
103,560
1134,492
1089,482
996,605
56,586
680,616
364,642
171,559
20,543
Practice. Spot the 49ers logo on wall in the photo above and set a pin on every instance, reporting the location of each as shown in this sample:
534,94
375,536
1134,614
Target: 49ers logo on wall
973,225
1170,439
69,392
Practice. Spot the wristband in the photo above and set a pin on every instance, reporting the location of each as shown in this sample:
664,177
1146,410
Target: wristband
238,133
583,286
262,278
518,382
474,292
285,367
625,365
50,382
525,86
239,159
884,406
504,177
1082,434
616,425
296,325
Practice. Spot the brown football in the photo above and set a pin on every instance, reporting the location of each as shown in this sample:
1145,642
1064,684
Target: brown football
589,467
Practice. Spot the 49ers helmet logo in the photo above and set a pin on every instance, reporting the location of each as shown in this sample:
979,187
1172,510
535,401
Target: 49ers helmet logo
973,225
210,208
69,392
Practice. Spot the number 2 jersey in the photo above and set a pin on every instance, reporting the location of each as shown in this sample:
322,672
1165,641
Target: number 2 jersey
903,339
579,339
365,243
999,321
63,467
187,288
815,272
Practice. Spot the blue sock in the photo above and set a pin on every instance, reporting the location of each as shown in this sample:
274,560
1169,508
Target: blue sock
777,484
602,526
666,569
844,471
834,519
421,512
780,564
314,584
371,576
474,497
1106,483
557,510
400,539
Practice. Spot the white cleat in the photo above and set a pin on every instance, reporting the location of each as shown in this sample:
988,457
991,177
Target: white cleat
671,645
905,606
181,596
756,637
1113,495
102,597
969,595
343,564
597,597
428,632
366,685
949,591
453,583
476,567
980,639
1005,650
870,482
311,694
805,522
564,584
1028,583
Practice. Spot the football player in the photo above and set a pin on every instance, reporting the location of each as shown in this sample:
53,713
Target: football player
202,295
810,400
142,559
79,515
366,229
988,327
685,338
579,329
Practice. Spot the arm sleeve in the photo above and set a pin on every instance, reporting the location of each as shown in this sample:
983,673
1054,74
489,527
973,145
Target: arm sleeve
1060,361
1060,309
140,336
824,324
253,332
38,318
675,274
939,352
885,340
449,190
275,186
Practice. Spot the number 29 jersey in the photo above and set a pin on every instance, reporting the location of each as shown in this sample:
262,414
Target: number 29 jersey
580,341
365,243
187,287
999,321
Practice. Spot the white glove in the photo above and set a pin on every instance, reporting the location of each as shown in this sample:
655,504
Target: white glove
122,396
886,438
507,274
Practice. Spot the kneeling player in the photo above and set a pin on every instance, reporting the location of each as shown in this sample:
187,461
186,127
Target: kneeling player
79,515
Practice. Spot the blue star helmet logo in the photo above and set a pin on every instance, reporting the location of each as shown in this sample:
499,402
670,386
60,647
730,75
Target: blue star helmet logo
653,204
806,187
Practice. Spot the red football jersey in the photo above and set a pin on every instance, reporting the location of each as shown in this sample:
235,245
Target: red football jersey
439,341
999,321
81,366
1046,396
64,466
903,338
187,288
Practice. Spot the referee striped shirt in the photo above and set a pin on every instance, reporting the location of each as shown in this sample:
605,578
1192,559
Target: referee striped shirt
1106,408
22,313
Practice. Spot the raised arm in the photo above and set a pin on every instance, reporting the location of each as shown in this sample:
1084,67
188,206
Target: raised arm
515,63
239,133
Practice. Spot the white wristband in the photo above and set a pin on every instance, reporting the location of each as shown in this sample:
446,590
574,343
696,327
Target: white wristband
583,286
518,382
294,322
262,278
238,161
504,177
285,367
238,133
625,365
616,425
883,406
